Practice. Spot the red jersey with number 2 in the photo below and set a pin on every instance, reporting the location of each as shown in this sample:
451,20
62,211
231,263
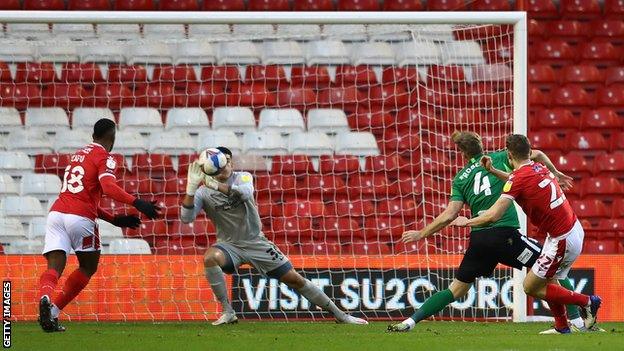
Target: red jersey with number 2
536,190
81,190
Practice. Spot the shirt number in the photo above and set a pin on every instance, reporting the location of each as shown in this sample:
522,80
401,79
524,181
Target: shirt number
481,184
554,200
72,180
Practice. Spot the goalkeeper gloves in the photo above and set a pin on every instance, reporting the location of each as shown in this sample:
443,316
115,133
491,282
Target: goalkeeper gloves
193,178
147,208
130,221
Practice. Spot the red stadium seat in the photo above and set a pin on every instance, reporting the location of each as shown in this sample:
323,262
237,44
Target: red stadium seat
555,52
383,229
133,75
367,249
451,75
402,208
153,165
35,72
52,163
156,227
545,141
571,96
5,72
292,229
599,53
271,76
601,246
608,30
152,186
353,208
614,9
403,144
542,76
590,209
275,184
255,95
411,248
586,75
268,5
312,76
615,75
403,5
388,164
618,208
603,119
389,96
339,164
89,5
490,5
588,143
580,9
11,5
375,121
159,95
573,165
320,249
86,73
200,228
202,95
113,95
296,97
326,185
224,5
361,75
313,5
358,5
346,98
446,5
611,226
175,186
303,208
618,141
611,96
603,188
610,164
65,95
134,5
536,29
292,164
557,118
371,185
542,9
20,96
537,97
341,229
220,74
400,75
178,74
178,5
45,5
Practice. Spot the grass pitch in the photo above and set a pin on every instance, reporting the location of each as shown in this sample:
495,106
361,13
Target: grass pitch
310,336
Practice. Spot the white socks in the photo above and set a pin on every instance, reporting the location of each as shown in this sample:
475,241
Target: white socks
55,311
578,322
410,322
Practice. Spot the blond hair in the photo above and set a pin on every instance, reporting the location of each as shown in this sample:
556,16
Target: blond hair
468,142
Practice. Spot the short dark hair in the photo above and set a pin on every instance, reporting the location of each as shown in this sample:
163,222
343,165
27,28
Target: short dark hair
225,150
468,142
519,146
102,128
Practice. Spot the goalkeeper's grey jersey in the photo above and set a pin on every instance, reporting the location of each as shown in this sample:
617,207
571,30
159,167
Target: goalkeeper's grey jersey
235,215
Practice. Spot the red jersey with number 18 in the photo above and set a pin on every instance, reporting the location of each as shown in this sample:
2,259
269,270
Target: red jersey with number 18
536,190
81,190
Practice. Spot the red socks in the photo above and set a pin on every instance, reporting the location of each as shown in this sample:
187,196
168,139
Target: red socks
559,312
47,282
557,294
73,286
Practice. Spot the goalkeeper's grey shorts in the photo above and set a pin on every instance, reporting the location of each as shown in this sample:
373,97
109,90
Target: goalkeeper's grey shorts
259,252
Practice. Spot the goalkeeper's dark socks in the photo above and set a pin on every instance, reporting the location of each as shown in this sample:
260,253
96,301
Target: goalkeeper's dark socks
73,286
433,305
47,282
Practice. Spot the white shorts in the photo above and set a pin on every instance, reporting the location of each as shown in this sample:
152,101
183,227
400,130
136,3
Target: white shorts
66,231
559,254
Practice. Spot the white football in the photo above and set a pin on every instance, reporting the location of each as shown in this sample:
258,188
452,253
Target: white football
212,161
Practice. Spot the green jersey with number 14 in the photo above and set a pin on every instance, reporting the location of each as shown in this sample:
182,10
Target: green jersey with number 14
480,189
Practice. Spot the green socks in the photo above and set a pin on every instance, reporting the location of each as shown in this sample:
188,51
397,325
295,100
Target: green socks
433,305
573,311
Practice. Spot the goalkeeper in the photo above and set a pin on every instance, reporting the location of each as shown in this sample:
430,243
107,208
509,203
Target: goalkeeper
499,242
228,200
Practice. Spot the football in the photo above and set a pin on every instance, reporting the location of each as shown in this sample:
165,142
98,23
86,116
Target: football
212,161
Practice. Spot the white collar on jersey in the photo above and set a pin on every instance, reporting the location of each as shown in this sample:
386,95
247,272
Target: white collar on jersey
94,143
528,163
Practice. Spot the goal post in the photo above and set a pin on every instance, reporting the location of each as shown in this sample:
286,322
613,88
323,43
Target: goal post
374,158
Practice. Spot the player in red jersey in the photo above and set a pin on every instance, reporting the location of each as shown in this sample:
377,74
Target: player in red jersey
536,190
71,221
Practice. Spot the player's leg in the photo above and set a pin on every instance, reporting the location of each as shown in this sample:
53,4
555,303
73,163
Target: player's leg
311,292
87,266
217,260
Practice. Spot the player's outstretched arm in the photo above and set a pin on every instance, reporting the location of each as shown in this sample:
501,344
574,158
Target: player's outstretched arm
492,215
442,220
565,181
122,221
112,190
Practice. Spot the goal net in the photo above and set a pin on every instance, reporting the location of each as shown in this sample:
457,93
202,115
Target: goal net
345,127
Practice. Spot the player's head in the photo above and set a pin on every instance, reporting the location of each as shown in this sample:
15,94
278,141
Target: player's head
518,147
226,171
104,133
468,142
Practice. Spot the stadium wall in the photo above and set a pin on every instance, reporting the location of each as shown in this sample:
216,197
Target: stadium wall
149,287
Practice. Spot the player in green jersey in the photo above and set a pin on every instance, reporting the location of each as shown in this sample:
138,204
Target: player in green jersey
499,242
